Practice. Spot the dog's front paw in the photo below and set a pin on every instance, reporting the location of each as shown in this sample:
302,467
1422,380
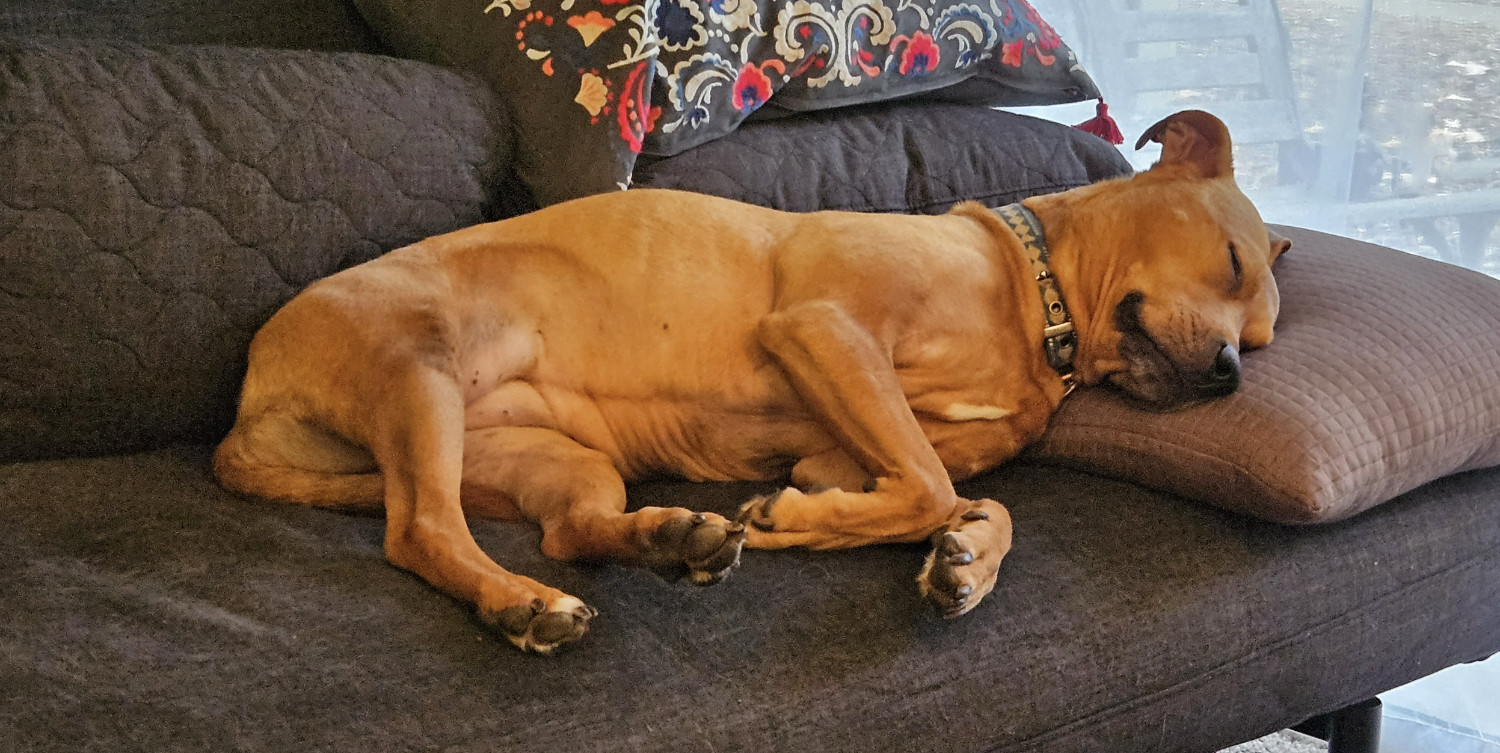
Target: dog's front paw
541,627
965,558
702,547
757,512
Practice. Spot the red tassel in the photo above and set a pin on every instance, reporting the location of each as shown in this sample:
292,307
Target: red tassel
1102,125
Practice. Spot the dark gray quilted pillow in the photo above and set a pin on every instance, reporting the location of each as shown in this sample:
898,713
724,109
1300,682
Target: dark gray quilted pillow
158,204
919,158
286,24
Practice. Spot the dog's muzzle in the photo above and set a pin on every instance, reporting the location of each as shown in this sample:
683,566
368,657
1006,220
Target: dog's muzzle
1153,377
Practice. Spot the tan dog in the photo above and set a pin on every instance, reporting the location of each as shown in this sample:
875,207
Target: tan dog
526,369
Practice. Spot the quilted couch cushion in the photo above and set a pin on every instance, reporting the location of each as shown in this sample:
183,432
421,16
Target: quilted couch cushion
290,24
160,203
914,158
1384,375
149,611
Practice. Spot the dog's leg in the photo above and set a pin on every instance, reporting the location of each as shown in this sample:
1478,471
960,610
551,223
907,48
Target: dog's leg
418,441
832,469
847,379
578,497
276,456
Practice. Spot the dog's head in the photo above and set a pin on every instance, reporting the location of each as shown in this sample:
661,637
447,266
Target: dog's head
1179,280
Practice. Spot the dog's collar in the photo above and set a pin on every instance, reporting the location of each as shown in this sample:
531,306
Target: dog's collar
1058,338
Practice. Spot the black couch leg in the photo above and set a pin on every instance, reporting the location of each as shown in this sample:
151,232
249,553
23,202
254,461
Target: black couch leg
1352,729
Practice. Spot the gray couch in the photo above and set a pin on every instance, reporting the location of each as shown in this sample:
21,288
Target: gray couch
158,202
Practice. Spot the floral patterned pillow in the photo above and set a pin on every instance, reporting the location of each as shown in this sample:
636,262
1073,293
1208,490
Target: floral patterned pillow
720,60
593,83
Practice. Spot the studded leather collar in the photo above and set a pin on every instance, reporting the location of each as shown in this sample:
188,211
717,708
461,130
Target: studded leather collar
1059,338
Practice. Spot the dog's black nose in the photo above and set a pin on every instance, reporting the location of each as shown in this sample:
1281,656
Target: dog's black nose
1224,376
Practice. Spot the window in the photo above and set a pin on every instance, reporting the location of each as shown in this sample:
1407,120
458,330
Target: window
1376,119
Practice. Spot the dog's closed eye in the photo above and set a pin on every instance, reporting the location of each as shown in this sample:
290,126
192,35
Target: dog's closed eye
1234,264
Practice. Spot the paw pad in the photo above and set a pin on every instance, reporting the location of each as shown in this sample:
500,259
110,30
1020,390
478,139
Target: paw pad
700,548
542,628
944,582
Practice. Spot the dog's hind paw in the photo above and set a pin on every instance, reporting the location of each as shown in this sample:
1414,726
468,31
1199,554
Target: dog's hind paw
541,627
701,547
965,558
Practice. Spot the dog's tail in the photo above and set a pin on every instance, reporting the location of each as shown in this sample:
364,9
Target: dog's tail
251,462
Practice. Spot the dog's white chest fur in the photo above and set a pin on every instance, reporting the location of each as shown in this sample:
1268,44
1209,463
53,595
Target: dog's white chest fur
969,412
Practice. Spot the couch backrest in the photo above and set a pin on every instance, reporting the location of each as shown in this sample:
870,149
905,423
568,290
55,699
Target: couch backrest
158,205
285,24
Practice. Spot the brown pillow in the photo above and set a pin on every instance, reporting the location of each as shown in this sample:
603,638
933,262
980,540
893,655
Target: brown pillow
1384,375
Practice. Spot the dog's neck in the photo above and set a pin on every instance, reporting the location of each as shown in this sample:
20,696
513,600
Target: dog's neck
1083,229
1059,338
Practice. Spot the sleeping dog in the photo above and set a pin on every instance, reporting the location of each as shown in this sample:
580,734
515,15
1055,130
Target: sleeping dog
527,369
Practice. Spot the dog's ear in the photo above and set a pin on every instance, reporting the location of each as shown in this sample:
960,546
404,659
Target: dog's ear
1192,137
1280,244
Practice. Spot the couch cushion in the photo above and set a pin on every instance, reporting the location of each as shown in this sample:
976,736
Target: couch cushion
290,24
1384,374
916,158
149,611
160,203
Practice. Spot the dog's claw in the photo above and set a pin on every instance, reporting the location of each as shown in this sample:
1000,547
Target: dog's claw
757,512
696,547
542,628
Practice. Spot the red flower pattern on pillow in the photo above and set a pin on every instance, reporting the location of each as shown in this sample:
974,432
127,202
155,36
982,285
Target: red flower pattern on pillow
753,87
919,54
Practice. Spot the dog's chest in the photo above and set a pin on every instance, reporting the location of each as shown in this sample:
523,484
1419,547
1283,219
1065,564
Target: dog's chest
975,394
973,372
